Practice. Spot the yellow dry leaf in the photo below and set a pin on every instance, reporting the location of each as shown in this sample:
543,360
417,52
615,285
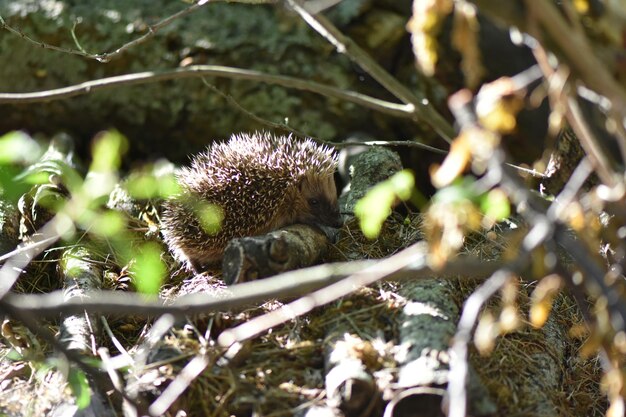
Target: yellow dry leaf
575,216
465,40
445,227
542,298
509,319
424,26
539,313
617,408
455,163
581,6
497,105
486,333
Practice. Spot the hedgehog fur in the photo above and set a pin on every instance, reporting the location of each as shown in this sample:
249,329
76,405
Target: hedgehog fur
253,183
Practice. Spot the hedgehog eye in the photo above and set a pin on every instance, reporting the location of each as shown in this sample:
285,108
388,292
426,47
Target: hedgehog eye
313,202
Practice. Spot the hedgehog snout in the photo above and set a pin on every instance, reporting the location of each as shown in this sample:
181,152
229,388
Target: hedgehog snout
321,211
328,222
332,219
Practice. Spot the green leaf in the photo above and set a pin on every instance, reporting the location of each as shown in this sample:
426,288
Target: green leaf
210,216
154,181
147,185
34,178
107,151
108,223
148,270
460,190
376,205
495,205
48,196
168,186
14,355
402,184
10,189
142,185
18,148
41,171
79,385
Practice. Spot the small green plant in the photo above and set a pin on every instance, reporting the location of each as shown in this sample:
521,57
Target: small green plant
78,202
376,205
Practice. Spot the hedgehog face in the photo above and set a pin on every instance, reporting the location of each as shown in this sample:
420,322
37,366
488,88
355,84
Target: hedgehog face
317,202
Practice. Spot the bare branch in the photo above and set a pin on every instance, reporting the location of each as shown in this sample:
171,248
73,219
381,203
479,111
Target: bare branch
30,320
459,363
235,104
152,30
13,267
44,45
400,110
289,284
422,108
108,56
367,276
178,386
411,143
589,142
410,263
579,53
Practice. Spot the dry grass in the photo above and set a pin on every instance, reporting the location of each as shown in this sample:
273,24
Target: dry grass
281,373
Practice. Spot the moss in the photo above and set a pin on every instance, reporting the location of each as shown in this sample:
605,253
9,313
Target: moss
182,113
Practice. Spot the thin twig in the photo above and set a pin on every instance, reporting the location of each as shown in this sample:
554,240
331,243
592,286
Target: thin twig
251,115
178,386
590,144
583,170
459,367
545,230
282,126
559,99
29,320
411,143
108,56
116,381
120,348
533,172
156,333
44,45
572,43
46,236
401,110
288,284
153,29
415,254
580,55
43,242
151,32
542,230
421,107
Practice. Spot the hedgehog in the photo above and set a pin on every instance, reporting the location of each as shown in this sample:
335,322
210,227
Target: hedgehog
250,185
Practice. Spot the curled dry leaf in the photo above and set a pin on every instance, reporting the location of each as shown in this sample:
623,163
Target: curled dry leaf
445,227
424,26
474,143
498,103
542,298
455,163
465,40
487,331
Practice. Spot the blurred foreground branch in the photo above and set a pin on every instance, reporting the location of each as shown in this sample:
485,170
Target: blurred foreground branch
285,285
